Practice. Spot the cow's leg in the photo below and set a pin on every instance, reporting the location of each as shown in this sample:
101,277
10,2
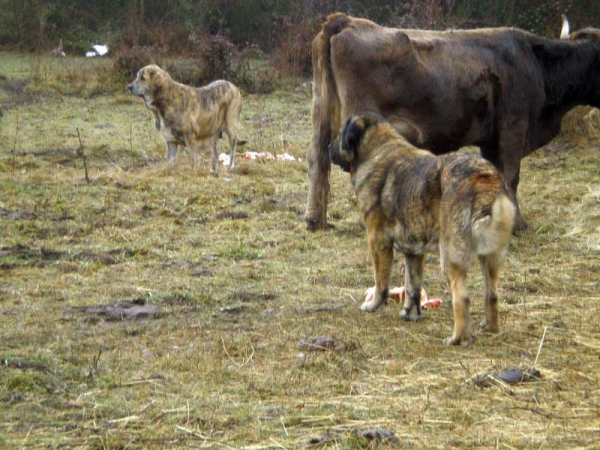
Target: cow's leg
511,174
382,253
319,166
413,281
507,159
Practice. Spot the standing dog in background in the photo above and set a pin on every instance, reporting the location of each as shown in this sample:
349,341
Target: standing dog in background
411,200
190,116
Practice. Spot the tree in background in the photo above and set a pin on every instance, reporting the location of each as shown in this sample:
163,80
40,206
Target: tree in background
278,27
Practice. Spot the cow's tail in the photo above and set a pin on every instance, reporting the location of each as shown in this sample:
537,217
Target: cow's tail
326,121
493,232
334,24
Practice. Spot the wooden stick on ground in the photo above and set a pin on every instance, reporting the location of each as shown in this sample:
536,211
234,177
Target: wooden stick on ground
82,155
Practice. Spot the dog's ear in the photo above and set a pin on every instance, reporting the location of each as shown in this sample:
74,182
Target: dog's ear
352,133
152,71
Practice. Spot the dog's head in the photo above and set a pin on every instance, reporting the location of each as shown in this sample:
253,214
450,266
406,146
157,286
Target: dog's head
149,79
347,153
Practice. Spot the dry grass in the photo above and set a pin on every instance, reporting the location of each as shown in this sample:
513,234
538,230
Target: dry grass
240,284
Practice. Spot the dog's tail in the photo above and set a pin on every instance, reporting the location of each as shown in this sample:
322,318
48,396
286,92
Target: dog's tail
493,232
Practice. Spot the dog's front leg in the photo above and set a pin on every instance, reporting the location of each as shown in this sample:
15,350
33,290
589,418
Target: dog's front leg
413,281
382,253
171,151
156,120
195,147
215,154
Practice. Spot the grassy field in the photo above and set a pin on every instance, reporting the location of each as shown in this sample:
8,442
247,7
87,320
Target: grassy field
240,289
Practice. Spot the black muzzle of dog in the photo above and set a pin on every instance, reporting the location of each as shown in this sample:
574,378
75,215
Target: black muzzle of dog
335,156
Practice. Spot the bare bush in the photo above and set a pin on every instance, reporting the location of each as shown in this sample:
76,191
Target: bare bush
217,54
128,60
293,55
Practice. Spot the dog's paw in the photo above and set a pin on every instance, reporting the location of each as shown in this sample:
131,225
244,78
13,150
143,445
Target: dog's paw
486,327
369,306
406,314
461,340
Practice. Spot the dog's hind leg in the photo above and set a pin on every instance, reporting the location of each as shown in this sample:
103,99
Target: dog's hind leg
382,253
413,281
490,265
457,275
194,147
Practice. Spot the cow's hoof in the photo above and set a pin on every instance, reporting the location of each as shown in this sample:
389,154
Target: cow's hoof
317,224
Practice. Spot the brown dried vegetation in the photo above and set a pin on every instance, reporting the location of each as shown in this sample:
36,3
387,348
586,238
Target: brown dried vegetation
241,285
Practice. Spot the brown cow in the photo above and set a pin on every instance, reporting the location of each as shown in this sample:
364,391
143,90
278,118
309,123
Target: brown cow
503,89
585,33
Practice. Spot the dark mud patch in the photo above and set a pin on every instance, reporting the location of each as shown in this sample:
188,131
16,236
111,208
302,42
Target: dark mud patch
248,297
323,343
17,93
24,364
231,215
370,438
122,311
31,215
40,257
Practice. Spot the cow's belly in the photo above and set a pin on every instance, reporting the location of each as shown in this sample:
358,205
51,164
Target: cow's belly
410,132
443,138
441,132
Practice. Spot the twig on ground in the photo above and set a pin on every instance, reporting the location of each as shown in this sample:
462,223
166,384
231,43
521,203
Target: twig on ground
81,154
15,142
123,419
94,365
540,348
202,436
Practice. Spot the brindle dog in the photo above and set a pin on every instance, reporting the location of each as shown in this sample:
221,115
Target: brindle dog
411,201
190,116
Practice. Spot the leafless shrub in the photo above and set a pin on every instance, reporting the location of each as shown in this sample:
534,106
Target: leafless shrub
128,60
293,55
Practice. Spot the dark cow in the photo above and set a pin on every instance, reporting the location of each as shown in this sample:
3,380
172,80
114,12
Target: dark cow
585,33
502,89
